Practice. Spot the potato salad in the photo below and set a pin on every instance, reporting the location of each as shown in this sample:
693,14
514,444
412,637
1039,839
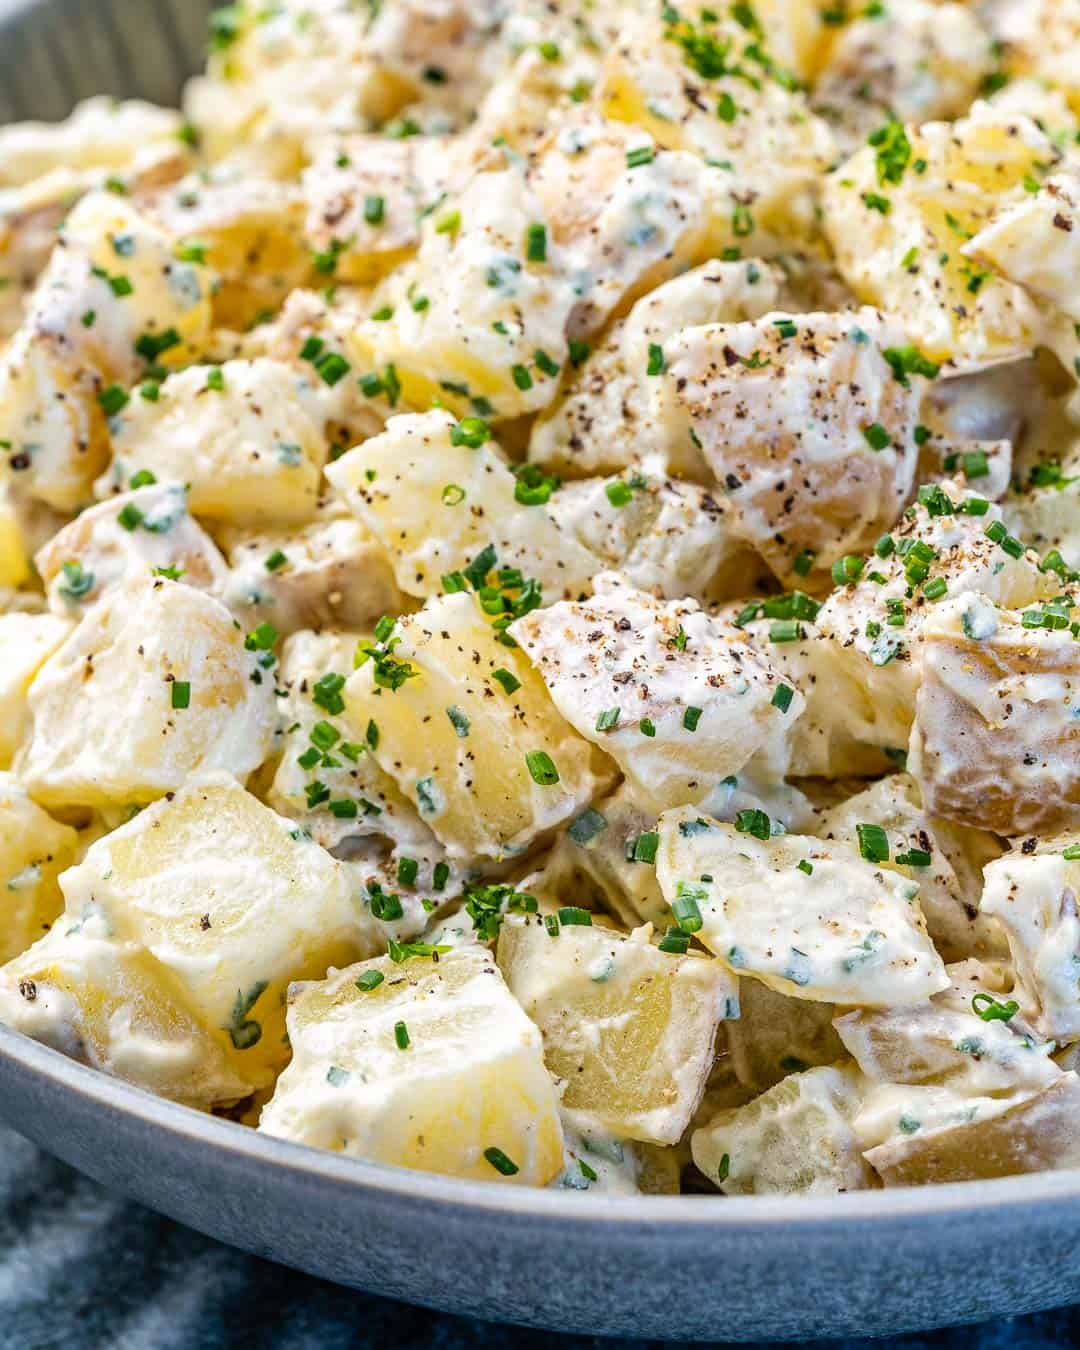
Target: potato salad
540,588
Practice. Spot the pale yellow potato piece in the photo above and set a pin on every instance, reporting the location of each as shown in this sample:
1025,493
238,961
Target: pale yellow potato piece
103,1002
97,553
883,660
766,159
996,732
944,1043
626,226
1033,895
952,310
916,62
795,1139
114,281
34,850
100,133
364,195
945,859
775,1035
804,422
334,575
345,801
674,539
838,733
604,420
109,725
1037,1133
470,1079
1040,38
456,743
629,1029
606,1166
251,451
119,263
1036,242
846,932
690,709
14,559
441,340
249,230
435,502
232,901
26,641
50,418
595,856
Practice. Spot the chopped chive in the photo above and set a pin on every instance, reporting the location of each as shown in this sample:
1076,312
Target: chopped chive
873,843
571,916
401,1035
645,846
541,768
782,697
502,1164
181,694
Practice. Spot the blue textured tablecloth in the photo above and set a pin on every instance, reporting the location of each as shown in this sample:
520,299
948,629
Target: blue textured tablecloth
84,1270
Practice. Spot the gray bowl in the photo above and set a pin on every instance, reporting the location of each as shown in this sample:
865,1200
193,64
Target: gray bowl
759,1268
694,1268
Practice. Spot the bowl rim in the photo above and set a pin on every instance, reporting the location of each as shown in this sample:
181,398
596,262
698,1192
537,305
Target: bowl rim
351,1175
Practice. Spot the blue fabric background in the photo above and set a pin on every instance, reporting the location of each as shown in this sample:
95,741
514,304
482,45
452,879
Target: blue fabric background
83,1270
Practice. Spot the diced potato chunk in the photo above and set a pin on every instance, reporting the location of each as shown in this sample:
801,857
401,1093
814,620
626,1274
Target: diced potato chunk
837,930
435,496
606,1166
51,424
795,1139
838,733
489,770
34,850
432,1066
916,62
100,133
232,902
945,859
14,563
678,699
599,852
128,536
876,626
628,214
103,1002
804,421
899,244
672,538
629,1029
26,642
997,722
775,1035
944,1043
605,420
1036,1133
662,76
1034,896
111,296
478,319
1036,242
365,195
155,684
242,435
249,230
332,785
329,574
